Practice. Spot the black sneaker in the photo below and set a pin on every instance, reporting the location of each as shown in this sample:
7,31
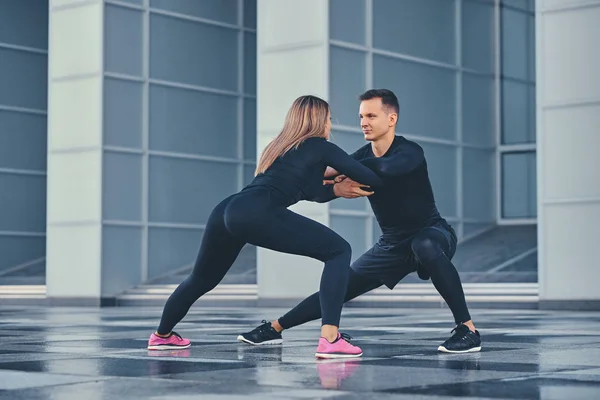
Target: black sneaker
463,341
261,335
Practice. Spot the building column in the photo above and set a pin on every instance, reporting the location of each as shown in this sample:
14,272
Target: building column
292,60
94,209
568,166
74,206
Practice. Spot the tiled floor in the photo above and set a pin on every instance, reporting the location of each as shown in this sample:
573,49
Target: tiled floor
90,354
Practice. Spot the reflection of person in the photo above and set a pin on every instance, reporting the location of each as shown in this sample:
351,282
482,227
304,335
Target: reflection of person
415,237
290,169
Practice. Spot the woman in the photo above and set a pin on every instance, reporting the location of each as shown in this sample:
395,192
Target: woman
290,169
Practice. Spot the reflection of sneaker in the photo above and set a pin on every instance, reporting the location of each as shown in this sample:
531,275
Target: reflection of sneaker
463,341
182,353
173,341
261,335
254,354
340,348
332,373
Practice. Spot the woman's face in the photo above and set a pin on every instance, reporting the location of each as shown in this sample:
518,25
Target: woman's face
327,126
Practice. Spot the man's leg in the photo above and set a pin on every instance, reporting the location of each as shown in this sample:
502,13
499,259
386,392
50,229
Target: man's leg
310,309
363,278
434,247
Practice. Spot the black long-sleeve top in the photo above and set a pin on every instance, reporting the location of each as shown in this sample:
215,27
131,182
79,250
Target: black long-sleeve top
298,174
405,204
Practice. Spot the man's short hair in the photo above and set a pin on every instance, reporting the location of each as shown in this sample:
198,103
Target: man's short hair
388,98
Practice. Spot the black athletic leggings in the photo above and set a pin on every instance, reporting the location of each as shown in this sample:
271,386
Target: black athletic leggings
258,217
429,249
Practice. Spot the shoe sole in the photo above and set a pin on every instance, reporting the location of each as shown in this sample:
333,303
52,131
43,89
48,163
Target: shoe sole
334,355
265,343
168,347
471,350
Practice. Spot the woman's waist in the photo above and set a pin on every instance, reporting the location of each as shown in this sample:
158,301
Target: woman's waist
271,194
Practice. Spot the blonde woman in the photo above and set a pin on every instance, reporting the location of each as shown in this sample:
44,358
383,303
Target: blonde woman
290,169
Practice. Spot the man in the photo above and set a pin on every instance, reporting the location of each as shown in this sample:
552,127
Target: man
415,237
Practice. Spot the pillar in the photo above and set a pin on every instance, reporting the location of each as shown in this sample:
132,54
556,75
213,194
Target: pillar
568,166
94,209
74,223
292,60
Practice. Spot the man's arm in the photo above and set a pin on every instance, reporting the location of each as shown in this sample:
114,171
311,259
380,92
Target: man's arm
403,161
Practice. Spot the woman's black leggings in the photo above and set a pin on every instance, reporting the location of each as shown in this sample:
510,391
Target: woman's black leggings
254,216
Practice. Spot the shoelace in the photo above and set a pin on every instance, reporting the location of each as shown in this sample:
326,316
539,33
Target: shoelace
459,327
346,337
176,334
264,327
465,337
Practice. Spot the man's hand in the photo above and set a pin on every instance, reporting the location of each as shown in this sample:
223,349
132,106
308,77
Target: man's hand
340,178
337,179
350,189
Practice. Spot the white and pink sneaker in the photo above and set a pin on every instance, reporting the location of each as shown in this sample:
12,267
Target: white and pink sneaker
173,341
340,348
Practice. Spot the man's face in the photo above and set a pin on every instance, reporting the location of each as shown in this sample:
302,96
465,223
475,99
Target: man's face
375,121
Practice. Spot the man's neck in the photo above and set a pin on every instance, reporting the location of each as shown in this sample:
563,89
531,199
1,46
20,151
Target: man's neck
382,145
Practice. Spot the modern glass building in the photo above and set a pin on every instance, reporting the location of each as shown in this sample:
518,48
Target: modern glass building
122,123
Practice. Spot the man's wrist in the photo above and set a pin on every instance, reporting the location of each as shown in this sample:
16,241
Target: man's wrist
335,193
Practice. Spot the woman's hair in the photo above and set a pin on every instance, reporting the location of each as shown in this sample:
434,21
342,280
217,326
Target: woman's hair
306,118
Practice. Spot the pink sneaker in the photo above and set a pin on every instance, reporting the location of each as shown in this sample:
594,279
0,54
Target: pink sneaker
174,341
340,348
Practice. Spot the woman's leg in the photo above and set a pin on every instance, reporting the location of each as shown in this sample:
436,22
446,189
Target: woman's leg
218,251
285,231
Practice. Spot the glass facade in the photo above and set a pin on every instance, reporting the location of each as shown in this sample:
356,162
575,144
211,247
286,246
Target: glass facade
517,161
440,60
23,109
179,122
179,117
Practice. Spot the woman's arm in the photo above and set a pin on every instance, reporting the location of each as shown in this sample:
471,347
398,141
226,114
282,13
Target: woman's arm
343,163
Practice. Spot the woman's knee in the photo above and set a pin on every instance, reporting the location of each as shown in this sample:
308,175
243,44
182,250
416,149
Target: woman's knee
346,249
342,249
193,287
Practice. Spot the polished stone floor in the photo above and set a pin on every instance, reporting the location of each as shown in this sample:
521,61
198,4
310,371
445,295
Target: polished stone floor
90,354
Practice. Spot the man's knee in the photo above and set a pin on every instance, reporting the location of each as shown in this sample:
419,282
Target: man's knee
425,249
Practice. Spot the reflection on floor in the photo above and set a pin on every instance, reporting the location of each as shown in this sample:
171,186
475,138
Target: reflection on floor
70,353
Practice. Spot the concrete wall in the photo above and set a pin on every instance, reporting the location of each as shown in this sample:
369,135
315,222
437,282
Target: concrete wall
568,137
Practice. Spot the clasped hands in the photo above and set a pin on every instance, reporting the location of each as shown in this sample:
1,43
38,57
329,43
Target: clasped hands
344,186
